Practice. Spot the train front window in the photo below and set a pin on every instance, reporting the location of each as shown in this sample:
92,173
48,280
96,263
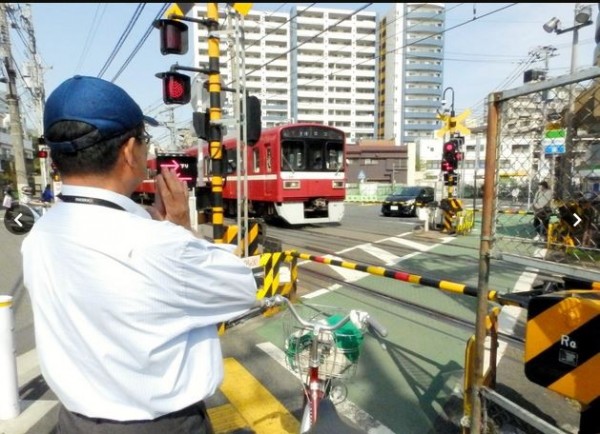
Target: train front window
312,155
292,155
335,156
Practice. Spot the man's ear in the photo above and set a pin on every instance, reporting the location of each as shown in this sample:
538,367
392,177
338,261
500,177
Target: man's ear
127,152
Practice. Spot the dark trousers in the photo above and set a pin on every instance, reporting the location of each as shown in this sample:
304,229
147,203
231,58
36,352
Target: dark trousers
193,419
541,225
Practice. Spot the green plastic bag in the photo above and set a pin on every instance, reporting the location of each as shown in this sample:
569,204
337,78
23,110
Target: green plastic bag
348,338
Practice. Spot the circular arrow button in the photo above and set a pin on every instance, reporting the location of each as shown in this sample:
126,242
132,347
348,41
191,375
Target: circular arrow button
19,219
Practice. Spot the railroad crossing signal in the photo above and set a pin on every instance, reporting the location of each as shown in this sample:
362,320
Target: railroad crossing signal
452,124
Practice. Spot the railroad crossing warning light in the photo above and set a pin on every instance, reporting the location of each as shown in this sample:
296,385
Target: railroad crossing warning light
173,36
449,156
177,88
253,116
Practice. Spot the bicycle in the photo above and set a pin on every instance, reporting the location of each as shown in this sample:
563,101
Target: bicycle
321,347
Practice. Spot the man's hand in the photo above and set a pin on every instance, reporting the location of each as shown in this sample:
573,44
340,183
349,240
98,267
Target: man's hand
171,200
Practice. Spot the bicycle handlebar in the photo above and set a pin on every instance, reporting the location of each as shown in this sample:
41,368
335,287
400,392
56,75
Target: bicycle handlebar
278,300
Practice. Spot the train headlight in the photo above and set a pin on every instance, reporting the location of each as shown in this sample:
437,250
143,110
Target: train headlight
291,185
337,184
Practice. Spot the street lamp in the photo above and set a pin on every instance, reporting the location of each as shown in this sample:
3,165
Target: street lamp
583,15
452,113
582,18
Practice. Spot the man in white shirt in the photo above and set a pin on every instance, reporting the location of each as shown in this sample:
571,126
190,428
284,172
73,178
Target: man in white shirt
126,300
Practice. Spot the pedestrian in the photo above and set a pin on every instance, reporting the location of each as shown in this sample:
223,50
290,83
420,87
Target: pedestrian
7,200
542,210
516,192
47,195
126,299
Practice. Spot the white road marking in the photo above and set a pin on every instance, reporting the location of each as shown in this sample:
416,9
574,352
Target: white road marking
31,413
31,410
348,274
410,244
509,315
381,254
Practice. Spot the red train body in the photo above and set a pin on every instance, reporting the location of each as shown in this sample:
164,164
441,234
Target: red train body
295,172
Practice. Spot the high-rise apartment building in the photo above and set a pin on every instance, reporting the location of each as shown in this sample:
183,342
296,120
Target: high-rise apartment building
322,65
411,54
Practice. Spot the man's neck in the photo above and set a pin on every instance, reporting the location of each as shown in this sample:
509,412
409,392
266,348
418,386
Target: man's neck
103,181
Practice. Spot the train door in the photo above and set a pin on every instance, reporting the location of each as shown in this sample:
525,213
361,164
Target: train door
268,186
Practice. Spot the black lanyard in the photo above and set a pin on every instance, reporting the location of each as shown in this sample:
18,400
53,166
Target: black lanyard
89,201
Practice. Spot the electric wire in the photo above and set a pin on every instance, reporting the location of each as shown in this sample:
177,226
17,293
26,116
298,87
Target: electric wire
91,34
140,43
124,35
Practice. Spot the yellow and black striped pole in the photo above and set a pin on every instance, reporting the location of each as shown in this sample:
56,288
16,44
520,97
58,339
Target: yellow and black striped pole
215,134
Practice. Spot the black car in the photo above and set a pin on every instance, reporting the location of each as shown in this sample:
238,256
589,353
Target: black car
406,200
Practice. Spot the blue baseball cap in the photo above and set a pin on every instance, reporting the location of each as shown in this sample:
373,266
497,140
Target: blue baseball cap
97,102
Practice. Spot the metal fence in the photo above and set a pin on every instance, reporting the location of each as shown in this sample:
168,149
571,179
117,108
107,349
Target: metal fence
549,132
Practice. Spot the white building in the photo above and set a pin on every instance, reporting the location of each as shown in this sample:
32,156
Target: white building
336,67
411,71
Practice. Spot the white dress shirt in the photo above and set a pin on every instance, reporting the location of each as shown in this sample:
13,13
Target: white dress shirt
125,307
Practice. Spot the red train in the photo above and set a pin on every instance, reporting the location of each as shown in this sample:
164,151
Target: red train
295,172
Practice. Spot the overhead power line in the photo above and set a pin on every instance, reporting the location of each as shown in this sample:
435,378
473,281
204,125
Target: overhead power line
140,43
124,35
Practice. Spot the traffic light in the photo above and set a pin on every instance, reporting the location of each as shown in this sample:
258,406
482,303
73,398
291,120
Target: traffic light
450,156
173,36
42,150
177,88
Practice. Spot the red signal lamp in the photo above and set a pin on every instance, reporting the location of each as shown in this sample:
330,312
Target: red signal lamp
173,36
177,88
42,153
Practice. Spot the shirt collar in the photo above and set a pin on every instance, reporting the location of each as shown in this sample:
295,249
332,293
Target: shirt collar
101,193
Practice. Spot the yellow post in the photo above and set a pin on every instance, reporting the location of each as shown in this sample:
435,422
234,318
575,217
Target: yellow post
215,132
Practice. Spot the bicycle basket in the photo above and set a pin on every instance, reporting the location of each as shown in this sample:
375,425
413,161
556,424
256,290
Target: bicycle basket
338,351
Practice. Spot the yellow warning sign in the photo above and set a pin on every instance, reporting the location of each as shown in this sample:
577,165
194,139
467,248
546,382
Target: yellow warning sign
453,124
242,8
179,9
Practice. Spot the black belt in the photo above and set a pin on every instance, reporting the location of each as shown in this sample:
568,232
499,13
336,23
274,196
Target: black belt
89,201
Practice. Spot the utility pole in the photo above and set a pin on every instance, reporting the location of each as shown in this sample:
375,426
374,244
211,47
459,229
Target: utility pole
172,128
540,53
16,129
36,85
235,27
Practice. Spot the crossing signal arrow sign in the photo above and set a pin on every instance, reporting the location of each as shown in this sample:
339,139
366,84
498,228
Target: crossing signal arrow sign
179,9
453,124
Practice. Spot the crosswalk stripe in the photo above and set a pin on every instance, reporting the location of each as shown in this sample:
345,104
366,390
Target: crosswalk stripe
383,255
27,367
347,274
32,412
411,244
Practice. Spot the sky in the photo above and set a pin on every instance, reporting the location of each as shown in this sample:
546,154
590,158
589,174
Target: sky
487,47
